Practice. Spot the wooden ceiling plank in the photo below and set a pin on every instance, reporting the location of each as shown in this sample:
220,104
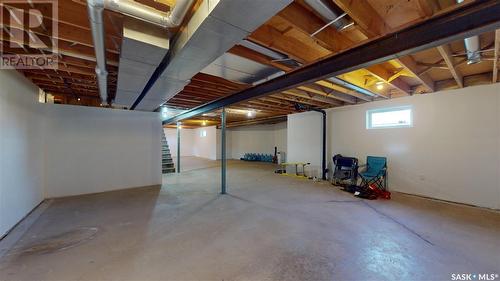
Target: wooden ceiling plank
447,55
303,19
369,21
427,7
67,33
272,38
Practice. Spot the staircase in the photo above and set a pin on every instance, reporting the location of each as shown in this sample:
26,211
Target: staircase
167,164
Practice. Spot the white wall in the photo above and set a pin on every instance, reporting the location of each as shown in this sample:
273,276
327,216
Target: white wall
49,150
205,147
239,140
451,153
193,144
187,140
96,149
256,139
304,139
21,149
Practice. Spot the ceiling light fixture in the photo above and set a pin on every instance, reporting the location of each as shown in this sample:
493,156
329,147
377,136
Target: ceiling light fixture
204,123
251,113
164,111
380,85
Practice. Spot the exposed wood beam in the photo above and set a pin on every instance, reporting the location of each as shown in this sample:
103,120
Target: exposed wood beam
465,21
296,99
313,97
333,94
383,74
434,65
81,95
250,54
74,13
264,120
63,48
278,101
335,87
65,32
470,80
263,59
266,105
259,109
272,38
372,24
427,7
496,56
447,55
303,19
409,63
369,21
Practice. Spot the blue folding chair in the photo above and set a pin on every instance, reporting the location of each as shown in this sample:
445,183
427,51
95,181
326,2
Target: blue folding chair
375,172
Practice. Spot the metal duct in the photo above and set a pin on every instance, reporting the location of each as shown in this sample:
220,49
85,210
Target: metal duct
351,86
95,10
143,47
328,14
148,14
472,47
239,69
277,56
133,9
215,27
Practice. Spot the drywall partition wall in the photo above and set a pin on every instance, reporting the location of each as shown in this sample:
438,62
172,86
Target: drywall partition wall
280,136
187,140
205,142
256,139
98,149
21,149
452,152
304,140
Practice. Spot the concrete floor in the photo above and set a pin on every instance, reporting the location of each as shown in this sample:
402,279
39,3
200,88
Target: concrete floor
269,227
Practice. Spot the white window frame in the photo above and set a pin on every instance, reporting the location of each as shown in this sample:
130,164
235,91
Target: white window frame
370,112
203,133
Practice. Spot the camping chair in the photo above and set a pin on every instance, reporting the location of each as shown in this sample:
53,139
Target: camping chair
346,170
375,172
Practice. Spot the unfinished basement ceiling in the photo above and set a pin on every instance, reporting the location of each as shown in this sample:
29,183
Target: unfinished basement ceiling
275,36
238,69
279,41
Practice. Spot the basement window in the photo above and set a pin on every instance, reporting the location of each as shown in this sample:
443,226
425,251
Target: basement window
394,117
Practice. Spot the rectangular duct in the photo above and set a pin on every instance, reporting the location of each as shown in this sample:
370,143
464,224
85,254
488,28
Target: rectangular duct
143,47
215,27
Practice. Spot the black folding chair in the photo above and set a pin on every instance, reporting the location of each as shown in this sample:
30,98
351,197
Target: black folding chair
346,170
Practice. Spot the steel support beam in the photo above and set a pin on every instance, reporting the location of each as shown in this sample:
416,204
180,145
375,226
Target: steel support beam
468,20
223,151
178,147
